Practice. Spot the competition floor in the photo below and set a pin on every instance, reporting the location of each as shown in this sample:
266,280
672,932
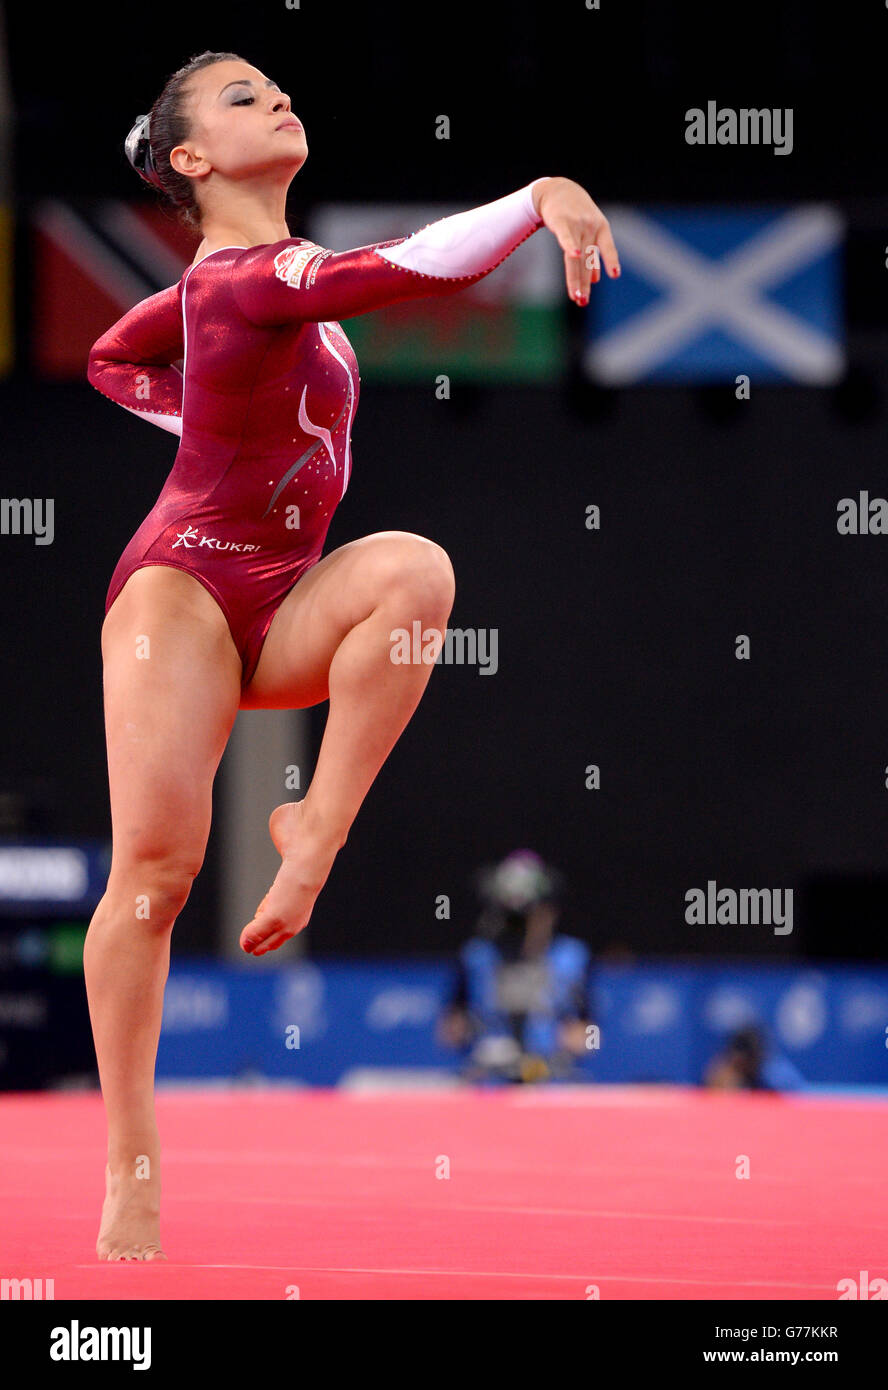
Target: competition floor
551,1194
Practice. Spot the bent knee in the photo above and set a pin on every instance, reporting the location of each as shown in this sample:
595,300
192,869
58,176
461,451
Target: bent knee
422,571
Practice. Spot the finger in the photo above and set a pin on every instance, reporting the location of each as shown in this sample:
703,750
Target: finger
608,250
568,231
586,247
591,264
584,272
591,257
578,279
568,234
572,235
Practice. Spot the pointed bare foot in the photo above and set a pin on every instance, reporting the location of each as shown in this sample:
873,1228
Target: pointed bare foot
307,857
130,1226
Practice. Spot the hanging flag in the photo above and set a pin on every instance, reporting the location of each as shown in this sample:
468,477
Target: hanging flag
709,293
92,262
507,327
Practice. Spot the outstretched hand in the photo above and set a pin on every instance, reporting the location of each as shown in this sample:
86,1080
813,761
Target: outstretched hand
583,233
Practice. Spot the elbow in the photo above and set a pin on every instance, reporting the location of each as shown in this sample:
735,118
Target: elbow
102,354
96,363
98,373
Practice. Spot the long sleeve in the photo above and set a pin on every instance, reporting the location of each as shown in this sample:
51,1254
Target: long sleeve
295,279
131,363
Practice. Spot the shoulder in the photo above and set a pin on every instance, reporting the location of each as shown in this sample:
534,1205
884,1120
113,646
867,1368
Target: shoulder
292,261
222,258
262,279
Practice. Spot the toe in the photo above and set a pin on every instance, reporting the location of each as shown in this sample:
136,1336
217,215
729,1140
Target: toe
256,935
252,935
271,943
255,931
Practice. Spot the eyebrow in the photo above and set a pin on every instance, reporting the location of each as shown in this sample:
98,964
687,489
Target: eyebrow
247,82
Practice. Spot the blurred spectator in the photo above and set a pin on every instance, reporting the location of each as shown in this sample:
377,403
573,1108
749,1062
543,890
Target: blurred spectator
748,1063
520,1009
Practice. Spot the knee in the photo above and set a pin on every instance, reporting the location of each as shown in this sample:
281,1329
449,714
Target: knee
422,574
152,890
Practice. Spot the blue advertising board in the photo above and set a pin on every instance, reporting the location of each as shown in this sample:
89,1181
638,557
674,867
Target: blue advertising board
660,1021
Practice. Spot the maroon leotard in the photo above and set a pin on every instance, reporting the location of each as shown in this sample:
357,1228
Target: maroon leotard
265,405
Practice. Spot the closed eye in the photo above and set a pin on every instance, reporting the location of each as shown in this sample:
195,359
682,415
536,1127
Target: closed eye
244,101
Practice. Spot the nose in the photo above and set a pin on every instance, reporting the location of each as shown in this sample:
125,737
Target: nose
281,102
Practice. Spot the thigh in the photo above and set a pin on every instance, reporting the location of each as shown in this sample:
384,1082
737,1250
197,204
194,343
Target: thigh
327,602
171,690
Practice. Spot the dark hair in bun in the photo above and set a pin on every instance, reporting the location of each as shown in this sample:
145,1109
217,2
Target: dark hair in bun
138,150
154,136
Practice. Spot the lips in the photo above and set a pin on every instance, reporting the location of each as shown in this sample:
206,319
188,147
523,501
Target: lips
289,125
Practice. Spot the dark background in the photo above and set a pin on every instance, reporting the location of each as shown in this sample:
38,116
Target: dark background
615,647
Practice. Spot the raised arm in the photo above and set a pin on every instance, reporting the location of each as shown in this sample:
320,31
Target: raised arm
132,362
297,279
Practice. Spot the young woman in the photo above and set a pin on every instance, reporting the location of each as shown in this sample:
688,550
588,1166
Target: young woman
221,601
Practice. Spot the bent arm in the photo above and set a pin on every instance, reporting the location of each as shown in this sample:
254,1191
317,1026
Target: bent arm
298,280
131,364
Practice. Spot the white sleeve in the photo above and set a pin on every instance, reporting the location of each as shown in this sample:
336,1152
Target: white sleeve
173,423
468,243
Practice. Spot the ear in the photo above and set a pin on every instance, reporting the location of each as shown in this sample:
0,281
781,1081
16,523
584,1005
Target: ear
185,162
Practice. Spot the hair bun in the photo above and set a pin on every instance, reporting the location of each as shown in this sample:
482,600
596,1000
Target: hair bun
138,151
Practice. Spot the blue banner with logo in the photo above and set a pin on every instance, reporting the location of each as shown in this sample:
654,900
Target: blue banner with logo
321,1022
52,876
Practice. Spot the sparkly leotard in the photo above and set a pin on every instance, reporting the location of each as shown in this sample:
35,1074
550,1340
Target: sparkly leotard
267,395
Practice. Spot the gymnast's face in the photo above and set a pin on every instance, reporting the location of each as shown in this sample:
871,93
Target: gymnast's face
241,125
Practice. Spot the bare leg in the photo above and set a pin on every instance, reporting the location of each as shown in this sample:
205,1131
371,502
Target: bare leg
356,604
168,716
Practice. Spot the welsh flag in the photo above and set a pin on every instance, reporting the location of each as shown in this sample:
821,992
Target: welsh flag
507,328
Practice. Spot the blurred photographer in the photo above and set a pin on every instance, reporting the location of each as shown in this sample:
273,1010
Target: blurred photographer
748,1062
520,1009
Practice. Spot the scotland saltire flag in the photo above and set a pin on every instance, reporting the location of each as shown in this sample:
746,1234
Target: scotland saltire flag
708,293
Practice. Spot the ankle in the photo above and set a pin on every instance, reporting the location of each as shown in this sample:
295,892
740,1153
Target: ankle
321,829
141,1168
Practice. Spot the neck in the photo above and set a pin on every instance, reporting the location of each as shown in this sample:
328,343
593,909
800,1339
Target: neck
244,214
